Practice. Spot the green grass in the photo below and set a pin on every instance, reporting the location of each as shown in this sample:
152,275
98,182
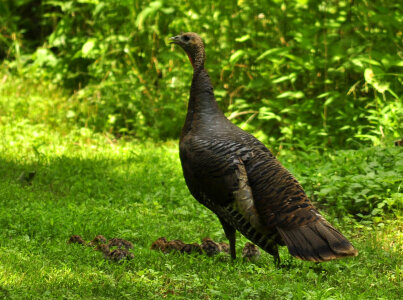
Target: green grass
91,184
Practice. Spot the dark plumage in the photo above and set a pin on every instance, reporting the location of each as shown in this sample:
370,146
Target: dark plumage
175,245
99,239
159,244
114,255
104,248
192,248
119,254
224,247
233,174
162,244
76,239
210,247
120,243
250,252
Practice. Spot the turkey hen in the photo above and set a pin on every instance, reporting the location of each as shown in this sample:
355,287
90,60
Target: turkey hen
233,174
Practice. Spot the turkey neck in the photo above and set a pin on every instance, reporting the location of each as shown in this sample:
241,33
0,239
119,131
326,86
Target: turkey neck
202,108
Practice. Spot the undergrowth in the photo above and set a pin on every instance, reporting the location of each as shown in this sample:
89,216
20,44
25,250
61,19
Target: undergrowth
91,183
281,69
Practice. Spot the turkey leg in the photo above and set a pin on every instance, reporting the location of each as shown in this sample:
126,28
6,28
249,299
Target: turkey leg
230,234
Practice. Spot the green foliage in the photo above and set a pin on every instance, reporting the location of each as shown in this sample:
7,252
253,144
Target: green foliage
364,183
88,183
280,69
371,187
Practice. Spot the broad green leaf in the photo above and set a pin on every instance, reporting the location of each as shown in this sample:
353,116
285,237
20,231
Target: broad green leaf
87,47
266,114
370,61
236,56
291,94
168,10
281,79
370,78
295,58
273,51
381,87
369,75
243,38
43,57
357,62
323,95
328,101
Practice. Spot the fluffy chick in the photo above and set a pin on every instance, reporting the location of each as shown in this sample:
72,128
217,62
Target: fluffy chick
224,247
99,239
210,247
104,248
159,244
120,243
192,248
174,245
119,254
250,252
76,239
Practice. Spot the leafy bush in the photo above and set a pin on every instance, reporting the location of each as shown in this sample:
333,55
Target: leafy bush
365,183
280,69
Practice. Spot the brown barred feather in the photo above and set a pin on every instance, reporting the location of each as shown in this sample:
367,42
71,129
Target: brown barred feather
233,174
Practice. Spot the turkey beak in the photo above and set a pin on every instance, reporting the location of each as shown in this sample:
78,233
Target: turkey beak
175,39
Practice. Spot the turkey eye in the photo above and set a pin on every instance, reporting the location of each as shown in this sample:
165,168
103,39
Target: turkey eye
186,38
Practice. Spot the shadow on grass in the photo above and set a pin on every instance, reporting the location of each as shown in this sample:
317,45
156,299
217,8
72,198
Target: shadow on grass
139,198
87,195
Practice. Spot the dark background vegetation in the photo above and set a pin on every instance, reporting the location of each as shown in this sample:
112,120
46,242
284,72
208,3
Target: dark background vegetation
295,73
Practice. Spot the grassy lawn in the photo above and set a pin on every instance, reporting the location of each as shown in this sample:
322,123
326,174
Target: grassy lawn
90,184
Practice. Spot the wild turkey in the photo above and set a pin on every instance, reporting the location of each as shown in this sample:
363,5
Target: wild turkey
76,239
224,247
233,174
192,248
250,252
99,239
166,246
210,247
116,254
174,245
159,244
120,243
104,248
119,254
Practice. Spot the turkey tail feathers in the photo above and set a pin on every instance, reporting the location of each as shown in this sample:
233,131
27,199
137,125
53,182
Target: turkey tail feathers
317,241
